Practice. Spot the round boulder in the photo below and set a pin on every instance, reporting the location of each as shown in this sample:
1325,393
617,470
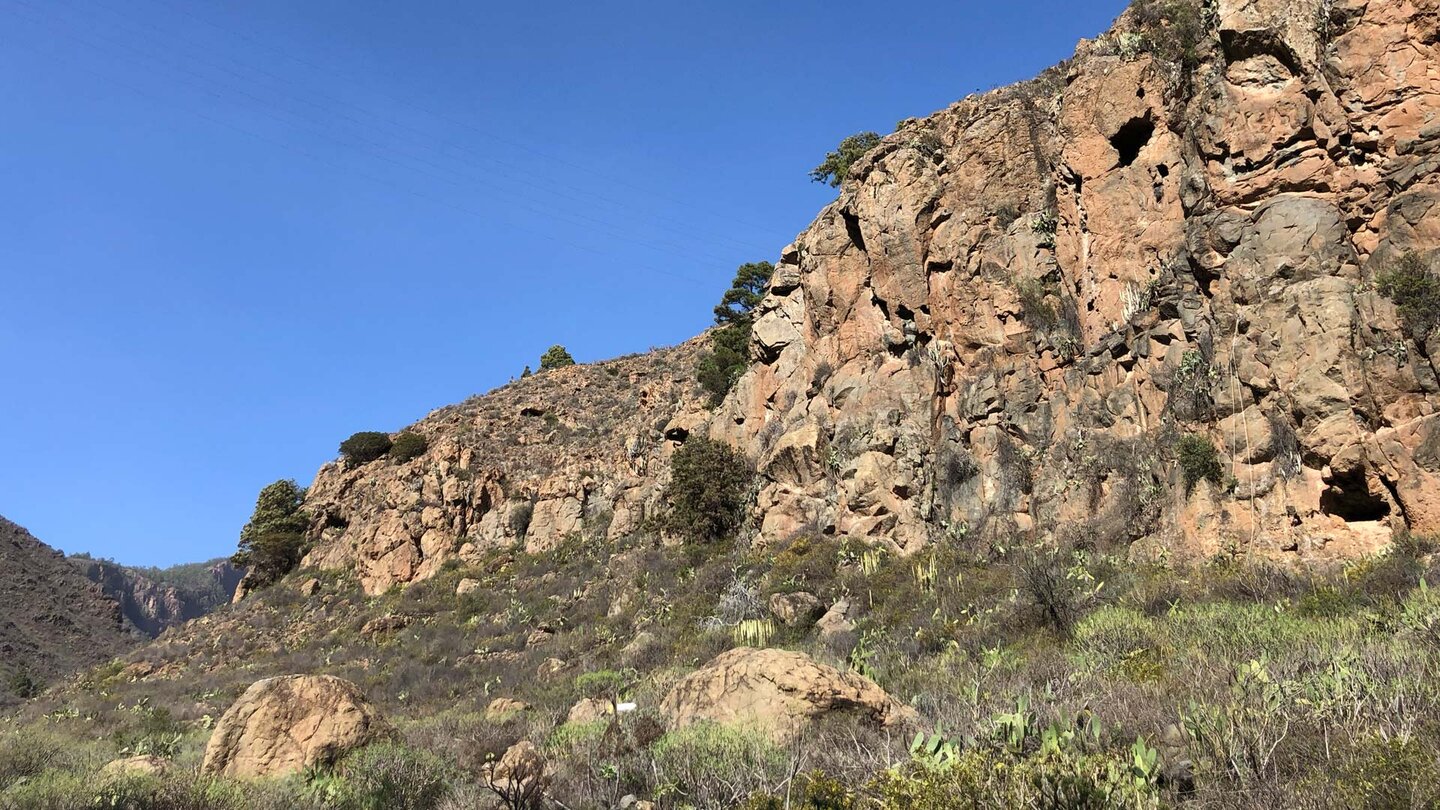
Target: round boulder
775,692
283,725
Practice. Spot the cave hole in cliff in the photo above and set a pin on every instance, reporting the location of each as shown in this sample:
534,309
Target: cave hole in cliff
1132,137
852,228
1349,499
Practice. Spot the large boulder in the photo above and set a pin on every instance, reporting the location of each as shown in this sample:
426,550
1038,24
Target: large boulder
775,692
282,725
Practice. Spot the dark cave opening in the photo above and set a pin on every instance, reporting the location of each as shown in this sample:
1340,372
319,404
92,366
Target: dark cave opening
1132,137
852,229
1349,499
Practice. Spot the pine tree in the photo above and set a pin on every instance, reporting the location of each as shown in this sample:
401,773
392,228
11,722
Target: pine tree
556,357
837,164
729,353
272,543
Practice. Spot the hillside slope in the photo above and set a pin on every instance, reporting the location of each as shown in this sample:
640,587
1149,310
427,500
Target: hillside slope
52,619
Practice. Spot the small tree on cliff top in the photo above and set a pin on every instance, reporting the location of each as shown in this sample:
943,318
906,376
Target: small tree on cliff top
272,543
836,167
556,357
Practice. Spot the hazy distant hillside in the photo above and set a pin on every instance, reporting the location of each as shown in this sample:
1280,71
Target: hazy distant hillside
153,599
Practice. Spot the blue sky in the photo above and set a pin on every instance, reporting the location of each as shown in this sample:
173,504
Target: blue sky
233,233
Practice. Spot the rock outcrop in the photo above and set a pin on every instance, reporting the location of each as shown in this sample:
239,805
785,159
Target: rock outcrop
150,605
283,725
775,692
1011,314
568,453
1017,304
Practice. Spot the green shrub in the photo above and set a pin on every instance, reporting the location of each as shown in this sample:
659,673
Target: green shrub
1388,773
729,353
1059,586
727,359
815,790
391,776
408,445
365,447
24,753
24,685
1174,30
1199,460
1415,289
1052,778
70,790
1035,305
520,518
706,497
556,357
605,684
273,542
836,167
709,765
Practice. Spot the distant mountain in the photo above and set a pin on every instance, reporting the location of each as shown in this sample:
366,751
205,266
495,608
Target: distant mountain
52,619
153,599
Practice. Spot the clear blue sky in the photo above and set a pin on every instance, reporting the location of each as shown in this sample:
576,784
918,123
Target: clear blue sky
233,233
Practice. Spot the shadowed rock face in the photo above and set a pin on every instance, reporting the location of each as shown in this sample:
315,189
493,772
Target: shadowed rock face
52,620
151,607
1011,313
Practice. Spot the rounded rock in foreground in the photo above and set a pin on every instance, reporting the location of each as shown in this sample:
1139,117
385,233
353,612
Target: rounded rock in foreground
283,725
775,692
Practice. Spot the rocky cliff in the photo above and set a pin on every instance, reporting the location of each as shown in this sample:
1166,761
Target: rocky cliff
151,602
52,619
1013,313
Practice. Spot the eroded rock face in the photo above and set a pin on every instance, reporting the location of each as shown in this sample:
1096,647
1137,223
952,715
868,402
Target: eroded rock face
283,725
1016,305
775,692
576,452
1009,316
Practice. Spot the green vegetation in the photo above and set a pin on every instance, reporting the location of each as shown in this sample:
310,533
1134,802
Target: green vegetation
1199,461
708,490
273,542
391,776
1415,288
729,353
555,357
1174,31
836,167
1213,685
23,685
408,445
365,447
